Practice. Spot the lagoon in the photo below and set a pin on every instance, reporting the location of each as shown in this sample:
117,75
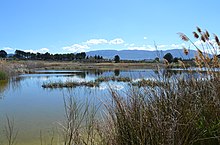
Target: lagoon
35,109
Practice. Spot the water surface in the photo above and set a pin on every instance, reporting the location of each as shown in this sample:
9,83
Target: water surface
35,109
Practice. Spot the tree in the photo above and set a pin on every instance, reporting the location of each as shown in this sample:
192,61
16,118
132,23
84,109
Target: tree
81,55
3,54
168,57
157,59
117,59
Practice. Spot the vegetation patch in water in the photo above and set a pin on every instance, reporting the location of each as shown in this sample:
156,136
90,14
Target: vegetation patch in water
95,83
70,84
145,83
112,78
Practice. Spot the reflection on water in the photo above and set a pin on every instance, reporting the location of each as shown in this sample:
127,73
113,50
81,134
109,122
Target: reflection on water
117,72
36,109
3,87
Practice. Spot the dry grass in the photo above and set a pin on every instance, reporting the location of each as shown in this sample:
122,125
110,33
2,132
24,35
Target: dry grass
182,110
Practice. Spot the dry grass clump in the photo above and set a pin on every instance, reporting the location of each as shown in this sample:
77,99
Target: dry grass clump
185,113
80,125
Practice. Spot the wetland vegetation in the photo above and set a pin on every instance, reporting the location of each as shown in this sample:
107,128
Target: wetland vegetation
160,106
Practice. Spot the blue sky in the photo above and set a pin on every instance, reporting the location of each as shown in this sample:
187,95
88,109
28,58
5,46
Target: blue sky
66,26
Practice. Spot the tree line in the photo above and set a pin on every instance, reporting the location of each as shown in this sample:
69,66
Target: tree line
19,54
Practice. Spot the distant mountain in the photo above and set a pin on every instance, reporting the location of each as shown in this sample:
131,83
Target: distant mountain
141,54
10,55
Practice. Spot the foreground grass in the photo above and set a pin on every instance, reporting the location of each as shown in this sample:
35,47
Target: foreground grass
180,111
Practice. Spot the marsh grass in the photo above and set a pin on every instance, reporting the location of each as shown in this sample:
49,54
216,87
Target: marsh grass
79,126
180,110
69,84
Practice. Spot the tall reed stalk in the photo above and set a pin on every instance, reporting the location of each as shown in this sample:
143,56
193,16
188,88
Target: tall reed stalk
79,126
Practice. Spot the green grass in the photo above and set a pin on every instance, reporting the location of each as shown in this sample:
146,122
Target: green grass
3,75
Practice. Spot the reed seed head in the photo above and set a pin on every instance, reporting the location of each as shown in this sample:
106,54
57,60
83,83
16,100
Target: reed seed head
207,33
198,29
183,37
195,35
206,36
185,51
217,40
203,38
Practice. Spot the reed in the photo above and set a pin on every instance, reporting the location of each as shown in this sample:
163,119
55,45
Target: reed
182,110
79,126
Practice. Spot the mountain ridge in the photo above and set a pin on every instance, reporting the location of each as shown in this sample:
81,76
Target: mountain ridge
141,54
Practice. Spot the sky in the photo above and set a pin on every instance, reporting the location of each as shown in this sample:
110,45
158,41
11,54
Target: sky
70,26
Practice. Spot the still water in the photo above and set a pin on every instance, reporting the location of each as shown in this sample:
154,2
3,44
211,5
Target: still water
35,109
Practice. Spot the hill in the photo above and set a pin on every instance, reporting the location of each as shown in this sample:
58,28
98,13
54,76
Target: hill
140,54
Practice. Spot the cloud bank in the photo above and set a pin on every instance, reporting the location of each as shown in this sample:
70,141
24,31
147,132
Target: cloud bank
86,46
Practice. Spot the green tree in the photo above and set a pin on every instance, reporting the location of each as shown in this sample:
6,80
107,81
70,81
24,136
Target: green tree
3,54
117,58
168,57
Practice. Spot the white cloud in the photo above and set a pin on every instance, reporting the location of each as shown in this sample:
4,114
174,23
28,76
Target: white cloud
145,38
176,46
162,46
30,50
159,47
85,46
76,48
96,41
8,49
42,50
116,41
199,42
